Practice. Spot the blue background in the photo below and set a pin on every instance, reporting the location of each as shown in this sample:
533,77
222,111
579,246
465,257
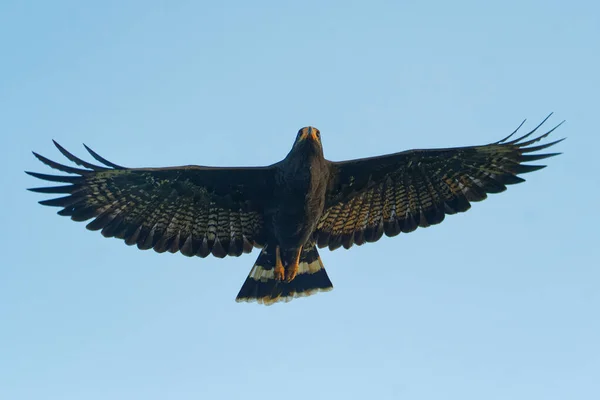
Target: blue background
497,303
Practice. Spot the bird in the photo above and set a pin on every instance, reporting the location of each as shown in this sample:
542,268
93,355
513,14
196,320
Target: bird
287,210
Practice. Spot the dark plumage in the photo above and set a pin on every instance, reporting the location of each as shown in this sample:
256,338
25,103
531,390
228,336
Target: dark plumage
287,209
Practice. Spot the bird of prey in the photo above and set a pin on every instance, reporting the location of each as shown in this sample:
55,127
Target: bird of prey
288,209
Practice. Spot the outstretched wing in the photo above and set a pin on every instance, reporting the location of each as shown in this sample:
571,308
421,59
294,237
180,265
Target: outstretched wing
400,192
192,209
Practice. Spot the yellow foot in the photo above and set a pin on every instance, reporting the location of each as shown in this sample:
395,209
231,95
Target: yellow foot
279,270
292,269
291,273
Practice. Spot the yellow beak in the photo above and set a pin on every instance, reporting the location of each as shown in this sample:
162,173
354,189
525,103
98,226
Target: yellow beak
309,132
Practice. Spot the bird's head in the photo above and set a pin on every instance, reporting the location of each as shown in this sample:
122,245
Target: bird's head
308,136
307,144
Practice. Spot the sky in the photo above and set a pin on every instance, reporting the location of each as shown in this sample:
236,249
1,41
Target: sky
500,302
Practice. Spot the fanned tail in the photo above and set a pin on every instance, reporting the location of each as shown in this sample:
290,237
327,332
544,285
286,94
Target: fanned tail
262,287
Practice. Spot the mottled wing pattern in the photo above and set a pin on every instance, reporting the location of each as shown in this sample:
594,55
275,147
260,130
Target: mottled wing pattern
400,192
195,210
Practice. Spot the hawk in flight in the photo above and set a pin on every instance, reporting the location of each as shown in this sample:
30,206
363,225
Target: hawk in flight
288,209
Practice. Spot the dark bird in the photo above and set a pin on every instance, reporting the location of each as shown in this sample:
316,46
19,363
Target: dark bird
287,209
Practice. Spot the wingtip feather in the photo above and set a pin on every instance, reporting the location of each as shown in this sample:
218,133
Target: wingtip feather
58,166
76,159
101,159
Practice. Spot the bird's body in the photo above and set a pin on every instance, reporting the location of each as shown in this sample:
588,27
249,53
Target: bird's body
287,209
299,194
297,203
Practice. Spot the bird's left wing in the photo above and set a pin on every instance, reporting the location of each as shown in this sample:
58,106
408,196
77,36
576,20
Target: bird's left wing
192,209
400,192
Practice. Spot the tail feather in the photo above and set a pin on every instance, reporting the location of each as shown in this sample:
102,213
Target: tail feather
262,287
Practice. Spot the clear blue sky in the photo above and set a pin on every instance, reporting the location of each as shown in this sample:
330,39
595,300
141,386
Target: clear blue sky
498,303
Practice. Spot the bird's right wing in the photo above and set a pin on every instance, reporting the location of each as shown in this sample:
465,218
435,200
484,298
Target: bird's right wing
402,191
192,209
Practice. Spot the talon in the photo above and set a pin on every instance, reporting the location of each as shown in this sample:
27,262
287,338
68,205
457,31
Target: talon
291,273
292,270
279,270
279,273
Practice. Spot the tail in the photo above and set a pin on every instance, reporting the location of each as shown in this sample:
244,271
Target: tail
261,285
